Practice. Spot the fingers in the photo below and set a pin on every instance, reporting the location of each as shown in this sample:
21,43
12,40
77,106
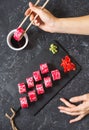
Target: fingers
32,17
28,11
78,98
77,119
74,109
36,23
30,4
70,107
66,102
35,9
70,113
33,14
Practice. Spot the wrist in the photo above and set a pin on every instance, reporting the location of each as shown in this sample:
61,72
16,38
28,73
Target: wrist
54,25
59,25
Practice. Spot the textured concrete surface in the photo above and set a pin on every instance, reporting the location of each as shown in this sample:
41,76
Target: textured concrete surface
12,64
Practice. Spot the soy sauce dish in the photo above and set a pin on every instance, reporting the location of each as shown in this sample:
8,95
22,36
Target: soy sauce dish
15,45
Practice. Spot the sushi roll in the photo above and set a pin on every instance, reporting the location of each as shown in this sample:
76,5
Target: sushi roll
18,33
48,82
37,76
56,75
44,68
40,89
22,88
30,82
32,96
23,102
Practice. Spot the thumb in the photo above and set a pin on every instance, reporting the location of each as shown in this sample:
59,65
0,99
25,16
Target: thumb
35,9
77,99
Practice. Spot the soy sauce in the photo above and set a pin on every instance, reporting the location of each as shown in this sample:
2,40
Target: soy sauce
18,44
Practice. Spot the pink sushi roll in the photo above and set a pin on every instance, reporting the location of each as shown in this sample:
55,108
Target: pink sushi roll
18,33
23,102
32,96
56,75
22,88
48,82
44,68
40,89
30,82
37,76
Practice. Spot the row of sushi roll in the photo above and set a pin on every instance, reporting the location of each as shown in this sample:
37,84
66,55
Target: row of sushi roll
36,88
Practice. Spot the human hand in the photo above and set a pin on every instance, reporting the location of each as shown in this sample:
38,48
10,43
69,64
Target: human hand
80,110
45,21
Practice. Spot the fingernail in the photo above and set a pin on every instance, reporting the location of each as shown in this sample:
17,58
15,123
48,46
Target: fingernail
61,111
70,100
70,122
59,107
30,4
61,98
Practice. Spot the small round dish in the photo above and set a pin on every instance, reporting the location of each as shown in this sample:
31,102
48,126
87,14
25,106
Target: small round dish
15,46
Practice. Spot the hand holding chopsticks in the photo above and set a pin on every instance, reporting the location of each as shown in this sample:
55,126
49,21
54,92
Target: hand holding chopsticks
36,16
33,19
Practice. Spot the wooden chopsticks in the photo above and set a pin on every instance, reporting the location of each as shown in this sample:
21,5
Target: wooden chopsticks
46,2
29,14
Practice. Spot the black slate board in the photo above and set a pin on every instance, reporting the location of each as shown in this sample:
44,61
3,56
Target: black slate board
54,62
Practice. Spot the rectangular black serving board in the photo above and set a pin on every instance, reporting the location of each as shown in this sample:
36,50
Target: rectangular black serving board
53,61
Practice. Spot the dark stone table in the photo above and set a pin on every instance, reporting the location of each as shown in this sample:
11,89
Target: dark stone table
12,63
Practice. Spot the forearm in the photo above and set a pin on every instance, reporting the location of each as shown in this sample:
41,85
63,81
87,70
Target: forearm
77,25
